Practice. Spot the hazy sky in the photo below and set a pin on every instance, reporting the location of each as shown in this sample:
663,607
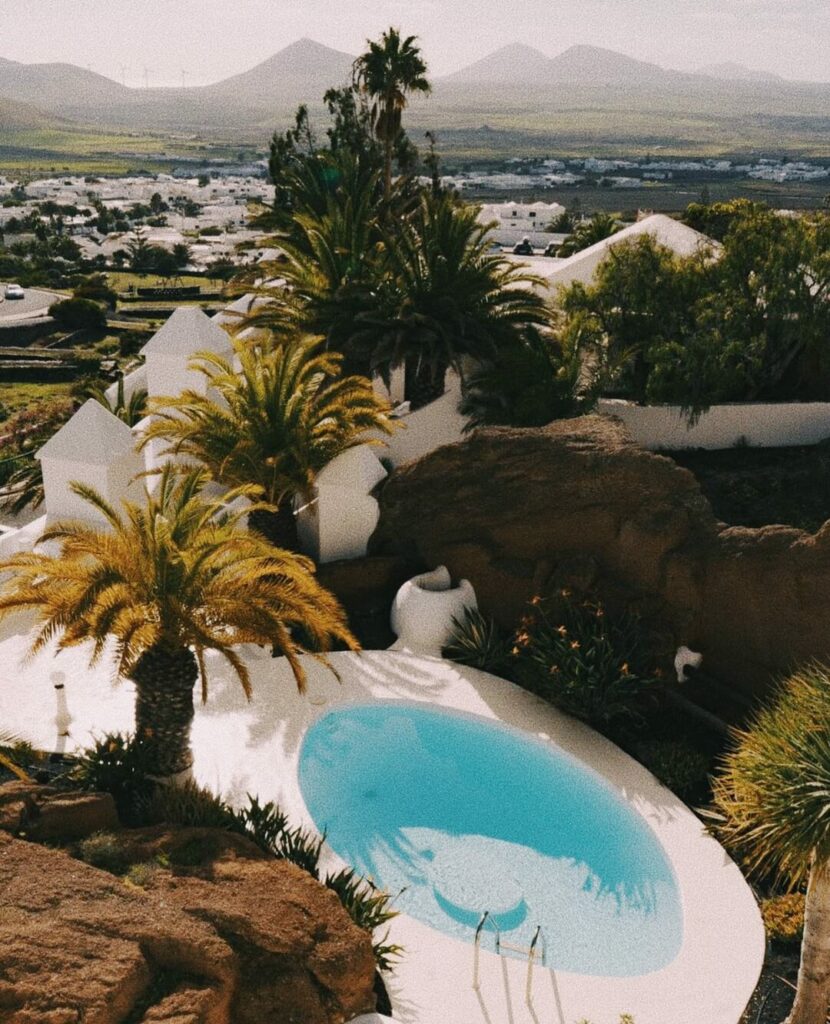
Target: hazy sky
211,39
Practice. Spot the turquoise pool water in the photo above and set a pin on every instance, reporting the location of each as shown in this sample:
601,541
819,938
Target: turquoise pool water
460,815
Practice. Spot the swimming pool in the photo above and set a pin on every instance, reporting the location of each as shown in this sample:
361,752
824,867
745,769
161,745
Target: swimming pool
460,815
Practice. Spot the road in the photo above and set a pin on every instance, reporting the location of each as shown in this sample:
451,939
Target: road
35,302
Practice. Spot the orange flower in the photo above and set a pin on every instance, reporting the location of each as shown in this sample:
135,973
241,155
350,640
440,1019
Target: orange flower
515,652
536,599
565,592
624,668
575,645
600,612
553,670
562,631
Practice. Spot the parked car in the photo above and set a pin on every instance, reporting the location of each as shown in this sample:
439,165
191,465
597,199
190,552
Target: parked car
552,248
14,291
523,248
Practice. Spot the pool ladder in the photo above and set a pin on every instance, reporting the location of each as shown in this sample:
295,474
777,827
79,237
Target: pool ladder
529,951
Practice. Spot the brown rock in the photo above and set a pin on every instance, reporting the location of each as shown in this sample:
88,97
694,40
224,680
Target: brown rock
260,941
310,959
46,814
756,602
78,945
65,817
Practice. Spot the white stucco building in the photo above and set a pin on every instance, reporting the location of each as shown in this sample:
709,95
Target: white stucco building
169,352
94,448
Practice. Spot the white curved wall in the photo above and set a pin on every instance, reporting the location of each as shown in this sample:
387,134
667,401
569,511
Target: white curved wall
762,425
423,431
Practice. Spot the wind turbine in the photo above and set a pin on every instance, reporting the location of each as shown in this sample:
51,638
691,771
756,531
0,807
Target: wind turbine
146,76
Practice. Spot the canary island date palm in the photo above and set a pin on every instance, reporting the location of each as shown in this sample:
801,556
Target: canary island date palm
330,257
161,584
387,73
275,423
589,232
445,296
772,802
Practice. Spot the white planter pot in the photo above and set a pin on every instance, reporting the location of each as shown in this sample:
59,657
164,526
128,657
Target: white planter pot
424,609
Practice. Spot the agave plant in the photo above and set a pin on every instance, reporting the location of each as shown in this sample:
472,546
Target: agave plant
165,582
772,801
277,422
479,641
10,747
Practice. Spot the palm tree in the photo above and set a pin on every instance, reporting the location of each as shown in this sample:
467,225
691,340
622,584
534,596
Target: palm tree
387,73
129,410
773,802
589,232
445,296
330,260
168,581
530,382
277,422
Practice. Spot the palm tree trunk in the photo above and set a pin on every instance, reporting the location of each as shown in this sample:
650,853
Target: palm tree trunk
278,528
164,681
813,992
387,168
423,382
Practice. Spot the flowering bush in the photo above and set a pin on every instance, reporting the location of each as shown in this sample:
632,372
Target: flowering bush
592,667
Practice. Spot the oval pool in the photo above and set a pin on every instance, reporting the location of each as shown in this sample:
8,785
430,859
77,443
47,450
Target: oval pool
460,815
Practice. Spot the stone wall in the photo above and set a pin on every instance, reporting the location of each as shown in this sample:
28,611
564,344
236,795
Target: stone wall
579,503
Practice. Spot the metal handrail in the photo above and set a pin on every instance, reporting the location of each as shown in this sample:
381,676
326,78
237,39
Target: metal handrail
531,957
530,952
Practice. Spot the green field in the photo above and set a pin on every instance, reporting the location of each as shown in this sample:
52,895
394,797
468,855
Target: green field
29,153
17,396
122,280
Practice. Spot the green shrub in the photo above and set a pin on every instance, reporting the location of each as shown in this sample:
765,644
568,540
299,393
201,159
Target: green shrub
16,754
188,805
95,288
784,917
117,764
104,850
142,875
78,314
268,827
678,765
479,641
369,908
583,661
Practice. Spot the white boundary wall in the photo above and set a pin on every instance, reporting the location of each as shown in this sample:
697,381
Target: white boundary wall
762,425
426,429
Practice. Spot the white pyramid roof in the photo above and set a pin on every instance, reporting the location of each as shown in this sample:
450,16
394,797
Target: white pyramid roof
93,435
667,231
188,330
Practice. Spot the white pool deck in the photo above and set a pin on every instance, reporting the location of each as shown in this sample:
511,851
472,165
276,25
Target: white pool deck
254,747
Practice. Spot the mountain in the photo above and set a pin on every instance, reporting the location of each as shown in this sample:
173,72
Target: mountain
594,65
730,71
25,117
63,88
512,63
302,71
